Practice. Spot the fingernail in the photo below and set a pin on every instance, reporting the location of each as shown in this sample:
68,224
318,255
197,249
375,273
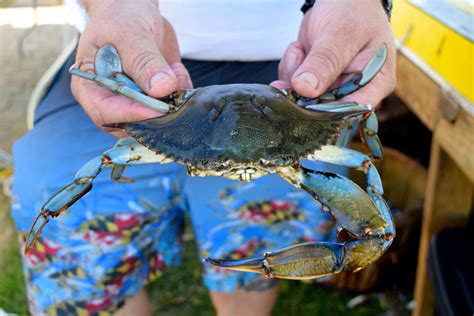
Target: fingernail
291,62
309,79
160,76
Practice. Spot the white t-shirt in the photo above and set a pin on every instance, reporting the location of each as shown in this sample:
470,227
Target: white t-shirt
226,30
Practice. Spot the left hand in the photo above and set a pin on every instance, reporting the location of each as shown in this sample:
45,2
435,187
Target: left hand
337,38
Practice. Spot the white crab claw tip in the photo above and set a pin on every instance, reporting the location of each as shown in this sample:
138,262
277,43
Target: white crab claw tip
370,107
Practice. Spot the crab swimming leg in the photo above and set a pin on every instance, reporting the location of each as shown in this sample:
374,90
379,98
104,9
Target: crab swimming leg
365,216
110,76
126,152
359,80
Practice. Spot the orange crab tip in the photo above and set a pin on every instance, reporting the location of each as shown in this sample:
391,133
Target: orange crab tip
389,237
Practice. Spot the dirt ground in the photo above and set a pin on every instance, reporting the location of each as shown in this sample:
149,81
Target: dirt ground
22,63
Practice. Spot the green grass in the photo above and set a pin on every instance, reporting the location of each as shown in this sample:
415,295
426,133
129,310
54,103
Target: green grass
180,292
12,288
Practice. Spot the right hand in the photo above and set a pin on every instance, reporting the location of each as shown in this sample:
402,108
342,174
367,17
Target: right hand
149,52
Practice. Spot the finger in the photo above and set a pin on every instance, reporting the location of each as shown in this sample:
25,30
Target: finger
326,60
293,57
280,84
184,79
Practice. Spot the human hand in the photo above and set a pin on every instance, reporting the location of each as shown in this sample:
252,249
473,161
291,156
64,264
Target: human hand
338,38
149,52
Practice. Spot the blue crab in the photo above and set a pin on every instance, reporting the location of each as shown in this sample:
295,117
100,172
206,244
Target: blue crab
245,131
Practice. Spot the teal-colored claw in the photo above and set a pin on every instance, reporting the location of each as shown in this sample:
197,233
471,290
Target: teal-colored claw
350,206
363,214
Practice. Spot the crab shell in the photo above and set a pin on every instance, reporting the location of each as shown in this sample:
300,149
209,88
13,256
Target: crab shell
231,130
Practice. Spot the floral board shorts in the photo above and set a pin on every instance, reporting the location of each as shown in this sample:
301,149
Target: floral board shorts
120,236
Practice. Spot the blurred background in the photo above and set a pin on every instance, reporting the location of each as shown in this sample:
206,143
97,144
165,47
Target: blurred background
427,126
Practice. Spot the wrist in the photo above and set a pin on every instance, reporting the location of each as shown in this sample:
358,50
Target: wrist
386,4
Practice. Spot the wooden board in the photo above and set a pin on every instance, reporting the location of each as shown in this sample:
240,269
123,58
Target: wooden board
448,202
449,192
426,99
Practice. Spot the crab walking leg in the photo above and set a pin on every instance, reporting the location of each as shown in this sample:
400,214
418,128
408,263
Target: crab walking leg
367,124
368,133
126,152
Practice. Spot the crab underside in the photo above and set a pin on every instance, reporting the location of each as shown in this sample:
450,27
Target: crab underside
245,131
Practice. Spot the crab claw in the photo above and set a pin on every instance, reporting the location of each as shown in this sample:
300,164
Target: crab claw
298,262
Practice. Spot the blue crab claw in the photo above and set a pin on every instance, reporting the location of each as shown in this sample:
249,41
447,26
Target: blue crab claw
364,215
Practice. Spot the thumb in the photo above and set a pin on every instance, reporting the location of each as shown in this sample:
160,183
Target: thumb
145,64
322,66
